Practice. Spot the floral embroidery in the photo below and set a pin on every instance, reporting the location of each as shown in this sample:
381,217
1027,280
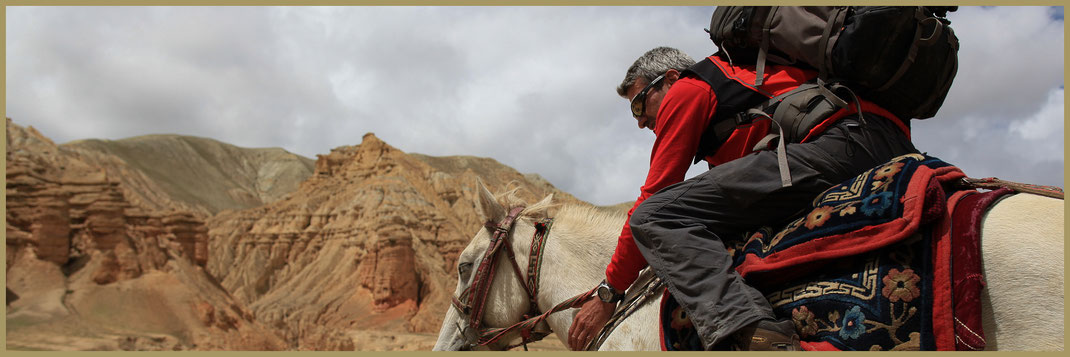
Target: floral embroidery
680,320
818,216
848,210
876,203
901,285
880,185
853,323
804,321
888,170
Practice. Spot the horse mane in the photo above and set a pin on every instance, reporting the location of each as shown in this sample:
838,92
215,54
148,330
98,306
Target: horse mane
536,211
590,221
584,217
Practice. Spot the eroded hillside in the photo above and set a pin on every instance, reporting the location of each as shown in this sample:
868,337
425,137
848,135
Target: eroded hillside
369,240
89,268
198,174
170,242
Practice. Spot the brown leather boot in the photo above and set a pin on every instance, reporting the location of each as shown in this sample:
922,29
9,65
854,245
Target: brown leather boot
768,335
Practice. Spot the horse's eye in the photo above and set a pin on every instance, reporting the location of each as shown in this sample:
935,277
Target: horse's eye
464,269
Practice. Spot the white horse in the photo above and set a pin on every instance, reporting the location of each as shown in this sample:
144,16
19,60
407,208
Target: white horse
1022,249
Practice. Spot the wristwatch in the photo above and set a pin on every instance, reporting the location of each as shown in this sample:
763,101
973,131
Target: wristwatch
607,293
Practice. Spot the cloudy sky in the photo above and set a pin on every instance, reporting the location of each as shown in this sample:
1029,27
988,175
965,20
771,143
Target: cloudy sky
533,87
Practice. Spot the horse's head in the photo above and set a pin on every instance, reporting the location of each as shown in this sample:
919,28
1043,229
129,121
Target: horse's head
506,297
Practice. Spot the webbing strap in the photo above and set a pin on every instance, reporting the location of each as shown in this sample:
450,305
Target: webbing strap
734,95
825,49
951,58
781,149
832,97
763,51
912,54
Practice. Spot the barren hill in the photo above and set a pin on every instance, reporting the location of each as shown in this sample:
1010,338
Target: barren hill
369,241
211,246
206,175
88,268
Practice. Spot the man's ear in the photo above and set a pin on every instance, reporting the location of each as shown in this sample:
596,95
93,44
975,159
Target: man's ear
671,76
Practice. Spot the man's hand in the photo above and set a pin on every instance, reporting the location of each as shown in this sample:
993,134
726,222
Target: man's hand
588,322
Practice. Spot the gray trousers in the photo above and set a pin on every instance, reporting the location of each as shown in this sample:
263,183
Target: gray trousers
679,229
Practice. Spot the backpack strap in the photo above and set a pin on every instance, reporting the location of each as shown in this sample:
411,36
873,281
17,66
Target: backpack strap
733,98
781,150
824,50
763,50
938,27
912,53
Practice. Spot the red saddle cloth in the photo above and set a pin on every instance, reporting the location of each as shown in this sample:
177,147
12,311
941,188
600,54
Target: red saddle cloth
908,206
957,277
963,226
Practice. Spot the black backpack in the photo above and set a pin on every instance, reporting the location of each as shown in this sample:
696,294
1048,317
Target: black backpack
902,58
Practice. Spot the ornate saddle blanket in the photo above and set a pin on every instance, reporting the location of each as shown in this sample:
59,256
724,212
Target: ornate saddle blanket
868,268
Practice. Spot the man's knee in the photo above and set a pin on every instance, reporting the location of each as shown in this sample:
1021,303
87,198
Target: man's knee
643,215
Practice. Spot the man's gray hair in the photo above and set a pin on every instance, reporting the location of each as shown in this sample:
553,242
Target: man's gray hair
654,63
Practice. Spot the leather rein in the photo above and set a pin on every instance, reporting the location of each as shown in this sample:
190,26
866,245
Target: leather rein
472,301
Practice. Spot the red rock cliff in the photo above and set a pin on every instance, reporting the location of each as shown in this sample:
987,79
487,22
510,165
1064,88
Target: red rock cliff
370,241
87,266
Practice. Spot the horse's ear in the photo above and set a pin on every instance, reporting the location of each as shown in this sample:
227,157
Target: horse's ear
492,210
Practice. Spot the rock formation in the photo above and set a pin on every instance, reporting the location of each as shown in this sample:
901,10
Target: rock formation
76,245
371,239
68,212
165,242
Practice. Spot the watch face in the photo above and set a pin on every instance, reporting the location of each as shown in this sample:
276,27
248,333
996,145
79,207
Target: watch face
604,293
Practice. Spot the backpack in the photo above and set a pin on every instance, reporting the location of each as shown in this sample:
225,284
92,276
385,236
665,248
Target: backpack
902,58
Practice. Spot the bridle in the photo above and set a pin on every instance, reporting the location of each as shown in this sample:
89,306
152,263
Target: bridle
472,301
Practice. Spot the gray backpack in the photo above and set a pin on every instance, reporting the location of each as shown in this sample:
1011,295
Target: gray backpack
902,58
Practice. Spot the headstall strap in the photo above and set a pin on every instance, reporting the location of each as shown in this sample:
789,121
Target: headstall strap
533,318
542,228
485,274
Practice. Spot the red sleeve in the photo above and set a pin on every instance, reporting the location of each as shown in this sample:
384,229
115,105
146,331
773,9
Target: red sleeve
684,113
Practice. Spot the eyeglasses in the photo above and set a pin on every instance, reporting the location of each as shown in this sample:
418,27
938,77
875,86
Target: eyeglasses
639,102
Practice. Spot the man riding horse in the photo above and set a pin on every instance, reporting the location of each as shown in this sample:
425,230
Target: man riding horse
677,225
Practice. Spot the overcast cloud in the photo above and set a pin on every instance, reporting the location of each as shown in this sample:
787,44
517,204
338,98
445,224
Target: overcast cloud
533,87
